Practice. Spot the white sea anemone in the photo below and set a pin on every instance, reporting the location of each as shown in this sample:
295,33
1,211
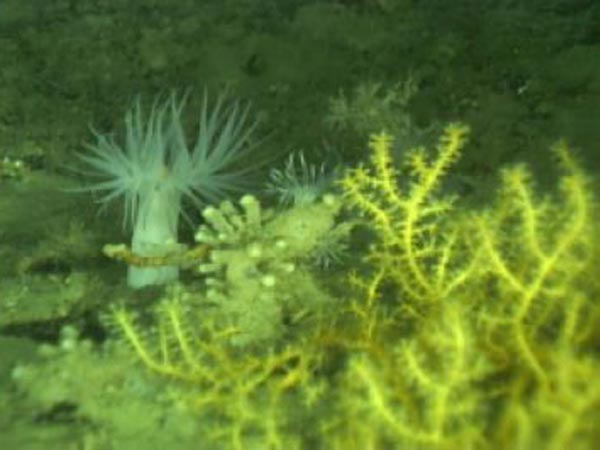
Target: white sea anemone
154,169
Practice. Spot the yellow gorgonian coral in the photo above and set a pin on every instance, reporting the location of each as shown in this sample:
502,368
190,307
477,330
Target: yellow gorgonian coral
411,248
516,308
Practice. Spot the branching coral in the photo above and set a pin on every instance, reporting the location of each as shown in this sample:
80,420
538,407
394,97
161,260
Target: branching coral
421,393
535,249
463,328
412,248
374,106
514,309
246,393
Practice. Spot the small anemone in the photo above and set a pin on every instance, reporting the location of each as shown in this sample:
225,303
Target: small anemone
299,182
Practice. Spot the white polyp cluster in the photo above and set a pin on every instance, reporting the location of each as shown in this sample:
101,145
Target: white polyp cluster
252,211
